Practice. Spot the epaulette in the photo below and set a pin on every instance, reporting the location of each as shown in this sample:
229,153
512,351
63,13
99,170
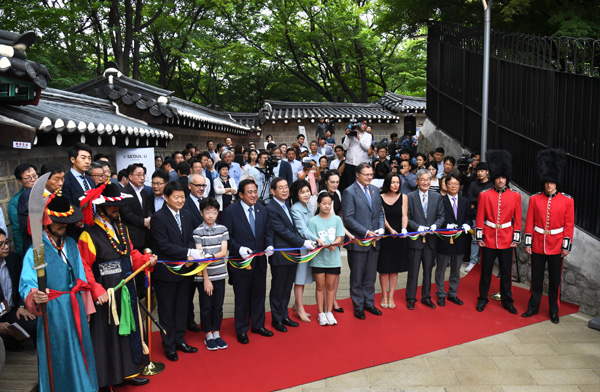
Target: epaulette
535,194
485,190
566,195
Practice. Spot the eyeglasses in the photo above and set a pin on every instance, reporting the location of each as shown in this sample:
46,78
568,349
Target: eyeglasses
30,178
4,243
366,175
199,185
139,175
98,175
158,183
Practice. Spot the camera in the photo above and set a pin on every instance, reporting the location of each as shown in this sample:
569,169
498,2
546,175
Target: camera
354,126
462,163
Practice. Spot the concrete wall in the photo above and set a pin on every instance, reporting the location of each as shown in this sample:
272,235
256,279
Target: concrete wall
581,268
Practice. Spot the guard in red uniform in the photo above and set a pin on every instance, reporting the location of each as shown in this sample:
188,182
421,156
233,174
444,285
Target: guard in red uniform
548,231
498,229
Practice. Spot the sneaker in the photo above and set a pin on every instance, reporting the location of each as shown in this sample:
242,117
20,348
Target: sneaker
220,343
469,267
323,320
211,344
330,319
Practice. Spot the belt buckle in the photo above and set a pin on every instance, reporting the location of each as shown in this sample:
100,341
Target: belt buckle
498,226
547,232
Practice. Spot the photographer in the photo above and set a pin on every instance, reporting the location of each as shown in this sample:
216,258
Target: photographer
357,144
466,167
310,172
262,174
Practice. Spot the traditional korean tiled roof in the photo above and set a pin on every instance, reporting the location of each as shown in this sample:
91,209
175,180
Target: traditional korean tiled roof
249,120
403,103
283,110
62,115
139,99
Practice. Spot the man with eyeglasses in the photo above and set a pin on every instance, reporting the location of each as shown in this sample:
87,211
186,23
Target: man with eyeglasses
363,218
26,175
97,173
136,216
160,178
13,308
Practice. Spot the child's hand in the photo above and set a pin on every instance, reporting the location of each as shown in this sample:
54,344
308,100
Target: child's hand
208,286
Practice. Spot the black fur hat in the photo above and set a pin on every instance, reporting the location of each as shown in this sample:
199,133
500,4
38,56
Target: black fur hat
499,164
551,165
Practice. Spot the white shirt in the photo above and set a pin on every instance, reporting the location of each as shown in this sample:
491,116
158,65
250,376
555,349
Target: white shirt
421,194
196,201
296,167
357,151
138,192
335,164
80,180
246,207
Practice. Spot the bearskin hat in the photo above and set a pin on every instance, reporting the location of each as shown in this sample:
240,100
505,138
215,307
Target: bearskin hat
551,165
499,164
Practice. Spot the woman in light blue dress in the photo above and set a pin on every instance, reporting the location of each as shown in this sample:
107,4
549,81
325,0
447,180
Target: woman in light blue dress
301,214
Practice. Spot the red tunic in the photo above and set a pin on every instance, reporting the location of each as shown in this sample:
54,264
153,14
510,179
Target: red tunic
498,222
550,223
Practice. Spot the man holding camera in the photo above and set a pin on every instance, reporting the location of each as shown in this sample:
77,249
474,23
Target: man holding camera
356,143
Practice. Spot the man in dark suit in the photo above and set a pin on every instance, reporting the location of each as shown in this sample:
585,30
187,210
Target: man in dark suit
169,166
156,199
136,216
204,157
247,224
173,241
283,271
457,211
363,217
183,171
76,179
14,308
196,185
425,213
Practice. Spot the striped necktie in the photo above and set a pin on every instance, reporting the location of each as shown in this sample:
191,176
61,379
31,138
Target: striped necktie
178,219
86,186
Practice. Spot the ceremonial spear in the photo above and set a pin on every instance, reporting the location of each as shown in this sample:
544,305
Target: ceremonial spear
37,203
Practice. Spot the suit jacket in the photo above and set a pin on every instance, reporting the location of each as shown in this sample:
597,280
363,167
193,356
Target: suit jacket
463,216
209,178
183,180
359,217
72,190
283,231
416,217
285,171
193,212
133,216
240,233
14,265
169,243
409,184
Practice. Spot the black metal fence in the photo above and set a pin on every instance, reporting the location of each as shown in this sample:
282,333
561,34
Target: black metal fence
544,93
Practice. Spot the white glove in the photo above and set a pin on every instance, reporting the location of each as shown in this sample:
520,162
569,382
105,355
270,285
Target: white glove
451,226
196,254
422,228
403,231
308,244
269,251
245,252
209,256
466,228
432,228
379,231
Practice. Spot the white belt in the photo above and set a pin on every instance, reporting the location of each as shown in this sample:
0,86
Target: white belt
551,232
495,226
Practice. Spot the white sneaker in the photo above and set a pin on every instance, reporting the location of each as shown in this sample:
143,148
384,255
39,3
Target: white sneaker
323,320
330,319
469,267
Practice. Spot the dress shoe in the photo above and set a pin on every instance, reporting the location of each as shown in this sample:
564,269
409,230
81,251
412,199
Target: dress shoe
193,327
242,338
554,318
290,323
263,332
529,313
171,355
374,310
511,308
441,301
480,306
428,303
279,327
186,348
136,381
359,314
338,310
455,300
410,305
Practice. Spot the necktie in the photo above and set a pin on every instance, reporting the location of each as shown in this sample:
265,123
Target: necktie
368,194
178,219
86,186
251,219
455,208
286,211
425,205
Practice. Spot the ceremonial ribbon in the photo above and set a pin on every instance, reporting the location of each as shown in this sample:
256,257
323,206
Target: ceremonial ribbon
126,322
79,286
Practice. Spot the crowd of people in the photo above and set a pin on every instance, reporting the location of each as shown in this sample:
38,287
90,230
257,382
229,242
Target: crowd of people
393,209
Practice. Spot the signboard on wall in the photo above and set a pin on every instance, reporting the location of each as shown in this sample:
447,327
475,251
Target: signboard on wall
145,156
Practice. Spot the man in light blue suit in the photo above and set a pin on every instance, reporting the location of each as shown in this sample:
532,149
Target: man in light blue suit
363,217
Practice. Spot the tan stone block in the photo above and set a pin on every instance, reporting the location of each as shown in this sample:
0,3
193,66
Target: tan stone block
413,378
530,349
534,337
540,388
585,336
493,377
478,388
351,380
409,364
440,353
460,363
589,388
569,362
480,350
517,363
565,377
504,338
575,348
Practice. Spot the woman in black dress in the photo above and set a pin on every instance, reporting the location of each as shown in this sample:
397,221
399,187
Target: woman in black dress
393,254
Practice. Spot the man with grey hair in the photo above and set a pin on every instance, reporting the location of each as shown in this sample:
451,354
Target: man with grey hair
235,171
363,218
425,214
97,173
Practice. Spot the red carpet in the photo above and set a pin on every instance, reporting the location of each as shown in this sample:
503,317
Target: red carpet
311,352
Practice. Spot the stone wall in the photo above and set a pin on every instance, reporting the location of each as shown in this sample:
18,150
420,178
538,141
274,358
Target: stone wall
581,268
